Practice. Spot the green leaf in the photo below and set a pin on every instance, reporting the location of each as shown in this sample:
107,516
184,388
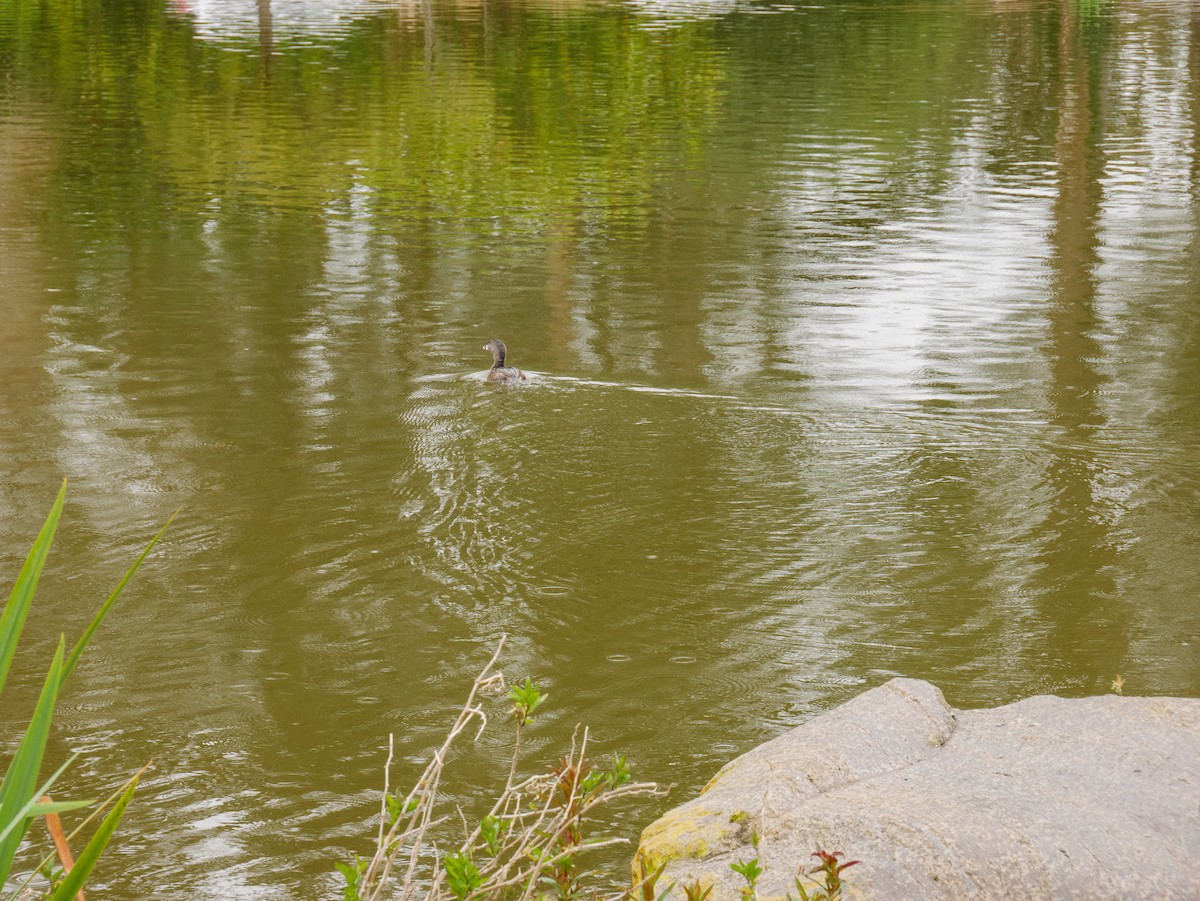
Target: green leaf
70,886
13,619
77,651
749,870
42,808
353,874
619,774
397,807
462,876
490,830
20,782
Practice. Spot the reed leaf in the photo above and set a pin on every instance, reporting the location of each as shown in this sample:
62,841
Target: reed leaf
20,782
13,619
77,651
73,882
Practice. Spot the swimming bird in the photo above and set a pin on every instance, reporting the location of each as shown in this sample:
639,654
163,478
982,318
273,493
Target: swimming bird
499,372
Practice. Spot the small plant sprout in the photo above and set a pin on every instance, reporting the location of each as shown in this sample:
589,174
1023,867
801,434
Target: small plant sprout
829,886
489,831
1118,684
647,883
614,777
526,699
352,872
462,876
694,891
749,870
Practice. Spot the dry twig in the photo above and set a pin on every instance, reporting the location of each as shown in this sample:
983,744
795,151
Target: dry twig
536,822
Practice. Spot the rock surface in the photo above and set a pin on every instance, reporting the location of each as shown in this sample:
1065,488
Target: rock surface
1095,798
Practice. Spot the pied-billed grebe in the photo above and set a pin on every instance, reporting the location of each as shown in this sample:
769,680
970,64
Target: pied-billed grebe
499,372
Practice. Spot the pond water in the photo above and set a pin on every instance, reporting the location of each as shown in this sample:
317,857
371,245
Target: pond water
863,341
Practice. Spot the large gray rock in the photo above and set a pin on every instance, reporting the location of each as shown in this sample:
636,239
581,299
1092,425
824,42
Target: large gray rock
1048,798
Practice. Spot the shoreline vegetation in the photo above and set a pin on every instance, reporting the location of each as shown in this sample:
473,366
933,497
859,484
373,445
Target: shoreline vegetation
528,844
527,847
23,798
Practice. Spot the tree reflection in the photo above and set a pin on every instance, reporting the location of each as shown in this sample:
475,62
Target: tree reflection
1074,585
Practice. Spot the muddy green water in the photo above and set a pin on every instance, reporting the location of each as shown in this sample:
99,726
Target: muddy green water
864,341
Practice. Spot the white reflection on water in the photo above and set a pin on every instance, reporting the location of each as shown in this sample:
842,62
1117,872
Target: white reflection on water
226,20
664,14
217,20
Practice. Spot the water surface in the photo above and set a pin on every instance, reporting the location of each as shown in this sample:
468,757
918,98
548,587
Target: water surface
864,340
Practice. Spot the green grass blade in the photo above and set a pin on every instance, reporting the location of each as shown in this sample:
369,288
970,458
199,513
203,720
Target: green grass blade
77,651
20,782
13,619
70,886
